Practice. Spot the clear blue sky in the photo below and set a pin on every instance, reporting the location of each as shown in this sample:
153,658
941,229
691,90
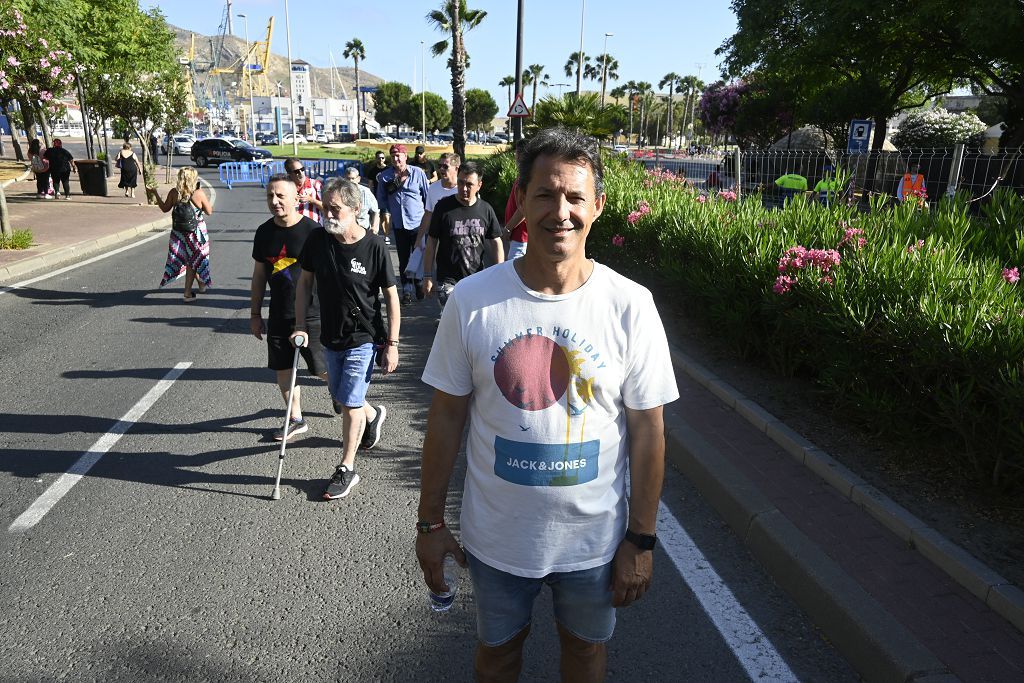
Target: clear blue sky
650,38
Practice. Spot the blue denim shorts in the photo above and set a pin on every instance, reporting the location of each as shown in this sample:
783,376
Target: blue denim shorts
348,374
504,602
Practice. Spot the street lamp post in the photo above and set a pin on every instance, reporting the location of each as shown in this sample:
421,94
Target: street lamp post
291,80
604,66
248,78
423,95
579,62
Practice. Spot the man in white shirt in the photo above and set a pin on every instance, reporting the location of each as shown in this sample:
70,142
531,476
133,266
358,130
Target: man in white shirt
561,368
369,212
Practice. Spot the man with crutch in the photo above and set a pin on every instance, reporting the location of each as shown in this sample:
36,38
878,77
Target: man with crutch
349,267
275,249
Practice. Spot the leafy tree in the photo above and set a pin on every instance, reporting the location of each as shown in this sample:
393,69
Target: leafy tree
455,18
575,63
876,55
392,103
438,117
356,51
509,82
940,128
480,109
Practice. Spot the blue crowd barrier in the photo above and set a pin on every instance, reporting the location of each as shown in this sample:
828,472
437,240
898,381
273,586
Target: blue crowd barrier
248,172
327,168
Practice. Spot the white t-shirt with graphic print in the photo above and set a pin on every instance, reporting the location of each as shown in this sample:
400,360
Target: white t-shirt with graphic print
550,376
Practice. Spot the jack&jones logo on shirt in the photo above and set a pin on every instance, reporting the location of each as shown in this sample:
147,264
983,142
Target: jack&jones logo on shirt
535,372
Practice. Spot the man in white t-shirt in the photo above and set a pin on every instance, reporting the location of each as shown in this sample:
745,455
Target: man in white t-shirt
561,367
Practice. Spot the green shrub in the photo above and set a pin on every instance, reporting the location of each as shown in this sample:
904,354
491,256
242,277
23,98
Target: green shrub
21,239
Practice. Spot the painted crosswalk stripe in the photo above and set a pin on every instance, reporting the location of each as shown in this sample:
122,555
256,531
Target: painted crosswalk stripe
749,644
51,496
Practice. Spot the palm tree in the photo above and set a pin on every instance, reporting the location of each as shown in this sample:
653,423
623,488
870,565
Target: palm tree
508,82
355,51
643,89
629,90
576,62
609,69
583,113
535,71
692,86
669,79
455,18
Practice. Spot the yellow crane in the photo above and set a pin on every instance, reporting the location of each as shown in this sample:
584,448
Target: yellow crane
252,67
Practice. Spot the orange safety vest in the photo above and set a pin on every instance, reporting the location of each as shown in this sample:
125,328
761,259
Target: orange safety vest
911,183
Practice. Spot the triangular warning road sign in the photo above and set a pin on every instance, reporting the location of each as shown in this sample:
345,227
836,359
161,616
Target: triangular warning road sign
518,110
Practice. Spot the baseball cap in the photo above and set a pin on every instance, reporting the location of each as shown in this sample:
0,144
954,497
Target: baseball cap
397,148
420,149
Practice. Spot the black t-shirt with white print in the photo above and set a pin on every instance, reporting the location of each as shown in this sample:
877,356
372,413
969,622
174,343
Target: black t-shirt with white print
278,249
364,268
461,233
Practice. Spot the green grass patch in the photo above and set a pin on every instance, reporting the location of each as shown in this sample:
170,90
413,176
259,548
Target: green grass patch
319,152
21,239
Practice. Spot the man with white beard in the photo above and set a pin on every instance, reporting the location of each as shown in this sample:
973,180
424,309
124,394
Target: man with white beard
350,268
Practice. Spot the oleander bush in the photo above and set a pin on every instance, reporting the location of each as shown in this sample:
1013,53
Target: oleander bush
912,319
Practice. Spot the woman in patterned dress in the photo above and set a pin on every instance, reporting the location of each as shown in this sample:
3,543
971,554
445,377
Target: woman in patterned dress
188,253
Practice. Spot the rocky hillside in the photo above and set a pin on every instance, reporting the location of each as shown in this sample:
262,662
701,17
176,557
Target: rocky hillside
234,47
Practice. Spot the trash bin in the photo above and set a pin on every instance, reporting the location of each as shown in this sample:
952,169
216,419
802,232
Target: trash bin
92,174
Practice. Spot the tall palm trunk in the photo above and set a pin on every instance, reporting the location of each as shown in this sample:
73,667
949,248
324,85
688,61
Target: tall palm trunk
668,123
359,106
458,83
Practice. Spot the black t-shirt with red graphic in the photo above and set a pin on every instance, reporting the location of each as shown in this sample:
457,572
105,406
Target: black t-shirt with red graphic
278,249
461,233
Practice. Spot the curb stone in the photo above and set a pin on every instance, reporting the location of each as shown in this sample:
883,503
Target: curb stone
880,647
998,593
86,248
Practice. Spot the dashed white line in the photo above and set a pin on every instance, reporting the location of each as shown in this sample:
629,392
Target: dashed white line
51,496
749,644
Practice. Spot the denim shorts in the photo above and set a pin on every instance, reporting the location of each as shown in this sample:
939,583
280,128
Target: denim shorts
504,602
348,374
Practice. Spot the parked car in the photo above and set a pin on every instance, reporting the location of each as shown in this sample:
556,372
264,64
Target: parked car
218,150
181,144
266,138
286,139
620,149
322,137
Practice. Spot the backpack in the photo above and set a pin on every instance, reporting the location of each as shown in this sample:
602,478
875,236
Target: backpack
183,217
40,165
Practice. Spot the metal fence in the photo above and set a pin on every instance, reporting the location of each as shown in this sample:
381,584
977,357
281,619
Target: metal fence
972,173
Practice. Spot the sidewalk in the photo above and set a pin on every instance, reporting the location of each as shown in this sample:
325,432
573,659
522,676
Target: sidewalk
898,600
66,230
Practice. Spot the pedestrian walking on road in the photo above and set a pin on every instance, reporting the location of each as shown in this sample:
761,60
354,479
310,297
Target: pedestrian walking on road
61,165
463,227
307,190
562,368
402,196
369,212
40,167
130,168
275,249
349,267
188,252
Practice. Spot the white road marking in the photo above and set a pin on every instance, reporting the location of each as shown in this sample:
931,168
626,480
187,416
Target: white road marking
749,644
60,271
66,481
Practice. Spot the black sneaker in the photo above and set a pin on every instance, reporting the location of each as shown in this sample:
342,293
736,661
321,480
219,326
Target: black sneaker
341,483
371,435
295,426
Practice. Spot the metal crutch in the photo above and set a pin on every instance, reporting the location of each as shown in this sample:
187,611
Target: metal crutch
299,341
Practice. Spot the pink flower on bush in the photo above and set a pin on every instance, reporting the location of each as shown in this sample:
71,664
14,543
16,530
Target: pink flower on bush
643,207
618,241
853,236
44,62
915,247
783,284
727,195
633,217
701,198
800,258
1011,275
13,61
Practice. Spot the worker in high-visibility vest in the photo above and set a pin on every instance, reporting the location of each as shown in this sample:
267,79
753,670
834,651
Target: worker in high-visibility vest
828,187
912,184
790,185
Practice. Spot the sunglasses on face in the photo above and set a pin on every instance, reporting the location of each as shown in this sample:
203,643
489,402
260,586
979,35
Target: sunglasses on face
444,167
300,169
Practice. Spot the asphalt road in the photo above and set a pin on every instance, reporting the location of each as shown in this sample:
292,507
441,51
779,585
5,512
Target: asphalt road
167,561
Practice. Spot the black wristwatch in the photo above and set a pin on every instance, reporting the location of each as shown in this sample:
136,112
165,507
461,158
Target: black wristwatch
642,541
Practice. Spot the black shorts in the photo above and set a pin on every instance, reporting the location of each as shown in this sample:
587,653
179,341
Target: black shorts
280,351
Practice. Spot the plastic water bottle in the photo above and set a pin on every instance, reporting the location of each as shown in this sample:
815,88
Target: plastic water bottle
442,602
